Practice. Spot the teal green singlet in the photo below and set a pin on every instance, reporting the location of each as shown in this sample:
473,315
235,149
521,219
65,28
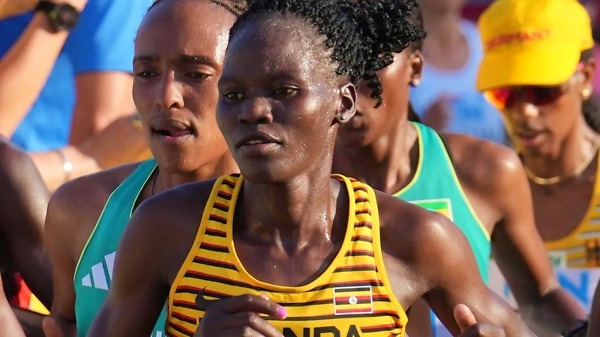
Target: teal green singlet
93,273
435,186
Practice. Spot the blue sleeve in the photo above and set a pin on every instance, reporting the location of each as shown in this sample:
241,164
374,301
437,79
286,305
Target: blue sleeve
103,40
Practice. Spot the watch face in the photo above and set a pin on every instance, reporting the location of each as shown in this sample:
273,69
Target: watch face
65,16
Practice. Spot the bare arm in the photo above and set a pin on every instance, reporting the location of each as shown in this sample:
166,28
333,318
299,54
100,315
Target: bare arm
24,70
24,199
10,8
546,307
435,262
103,135
73,212
139,287
148,259
457,280
517,247
60,240
121,142
103,98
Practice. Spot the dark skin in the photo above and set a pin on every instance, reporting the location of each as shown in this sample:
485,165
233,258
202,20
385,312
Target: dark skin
385,144
554,140
279,89
176,98
24,199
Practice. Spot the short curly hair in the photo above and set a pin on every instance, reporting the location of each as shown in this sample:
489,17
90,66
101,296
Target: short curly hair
362,35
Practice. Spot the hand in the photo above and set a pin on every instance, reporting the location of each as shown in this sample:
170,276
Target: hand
238,316
469,326
15,7
121,142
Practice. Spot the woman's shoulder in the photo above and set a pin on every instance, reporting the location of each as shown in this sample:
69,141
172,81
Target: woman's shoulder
177,202
414,236
482,163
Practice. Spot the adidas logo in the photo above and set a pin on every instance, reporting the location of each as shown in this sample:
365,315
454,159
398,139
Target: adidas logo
100,276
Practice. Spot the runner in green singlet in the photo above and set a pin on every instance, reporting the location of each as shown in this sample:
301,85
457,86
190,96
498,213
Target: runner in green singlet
175,91
479,185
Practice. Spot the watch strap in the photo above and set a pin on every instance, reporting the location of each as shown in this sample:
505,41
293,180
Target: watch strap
45,6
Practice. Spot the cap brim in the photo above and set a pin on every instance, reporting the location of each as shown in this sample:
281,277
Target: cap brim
498,70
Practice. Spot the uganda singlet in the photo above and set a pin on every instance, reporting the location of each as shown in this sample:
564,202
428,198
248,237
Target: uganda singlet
352,297
435,187
581,248
93,273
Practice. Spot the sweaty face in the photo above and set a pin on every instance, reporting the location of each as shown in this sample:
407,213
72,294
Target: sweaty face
370,123
178,60
540,129
278,99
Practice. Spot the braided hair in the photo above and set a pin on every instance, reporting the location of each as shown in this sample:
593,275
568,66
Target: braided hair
236,7
362,36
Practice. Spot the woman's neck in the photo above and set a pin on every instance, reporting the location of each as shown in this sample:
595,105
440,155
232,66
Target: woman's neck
387,164
168,178
566,160
299,211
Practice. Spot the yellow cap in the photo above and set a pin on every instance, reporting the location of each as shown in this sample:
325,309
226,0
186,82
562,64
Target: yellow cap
532,42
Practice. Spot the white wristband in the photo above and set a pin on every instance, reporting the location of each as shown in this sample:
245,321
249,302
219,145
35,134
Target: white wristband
67,165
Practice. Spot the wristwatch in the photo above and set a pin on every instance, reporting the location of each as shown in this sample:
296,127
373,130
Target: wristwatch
62,15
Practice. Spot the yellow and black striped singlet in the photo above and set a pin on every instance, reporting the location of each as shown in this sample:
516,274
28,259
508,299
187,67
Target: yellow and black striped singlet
581,248
352,297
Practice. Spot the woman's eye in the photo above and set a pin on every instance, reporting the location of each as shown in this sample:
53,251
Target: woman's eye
284,92
145,74
198,75
233,96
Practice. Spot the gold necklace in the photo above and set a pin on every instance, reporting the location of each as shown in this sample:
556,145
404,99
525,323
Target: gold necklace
575,173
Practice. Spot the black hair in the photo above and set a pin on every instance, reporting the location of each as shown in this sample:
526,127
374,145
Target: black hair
236,7
362,35
417,19
591,112
591,106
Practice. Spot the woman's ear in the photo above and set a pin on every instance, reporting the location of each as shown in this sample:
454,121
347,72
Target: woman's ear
347,107
415,61
588,71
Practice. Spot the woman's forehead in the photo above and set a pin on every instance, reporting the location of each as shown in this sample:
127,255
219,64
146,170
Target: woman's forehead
277,47
277,33
188,12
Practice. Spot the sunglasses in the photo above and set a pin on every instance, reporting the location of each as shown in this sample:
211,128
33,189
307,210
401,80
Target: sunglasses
506,98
